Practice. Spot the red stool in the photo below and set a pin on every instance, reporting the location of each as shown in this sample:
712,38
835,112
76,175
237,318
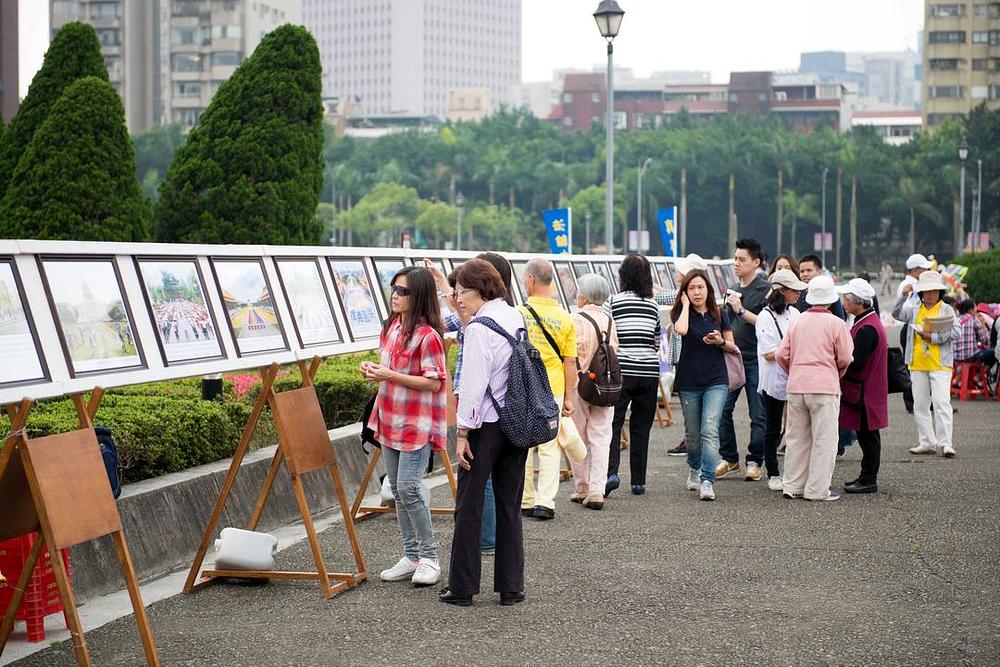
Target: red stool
964,376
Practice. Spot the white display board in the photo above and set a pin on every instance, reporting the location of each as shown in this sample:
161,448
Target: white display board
76,315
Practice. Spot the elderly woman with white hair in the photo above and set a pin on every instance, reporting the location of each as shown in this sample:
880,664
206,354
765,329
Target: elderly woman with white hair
593,326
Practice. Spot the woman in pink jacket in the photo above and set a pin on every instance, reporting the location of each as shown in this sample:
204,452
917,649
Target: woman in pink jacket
815,354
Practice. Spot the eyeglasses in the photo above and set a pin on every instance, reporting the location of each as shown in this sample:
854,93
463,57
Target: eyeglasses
462,291
399,290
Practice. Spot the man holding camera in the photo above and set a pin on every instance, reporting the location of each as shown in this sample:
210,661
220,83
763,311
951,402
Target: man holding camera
744,301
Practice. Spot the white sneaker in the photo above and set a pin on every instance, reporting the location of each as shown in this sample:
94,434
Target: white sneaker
707,491
774,483
404,569
694,480
923,449
428,572
949,452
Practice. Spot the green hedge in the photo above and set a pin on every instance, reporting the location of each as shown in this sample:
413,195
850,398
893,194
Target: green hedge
983,279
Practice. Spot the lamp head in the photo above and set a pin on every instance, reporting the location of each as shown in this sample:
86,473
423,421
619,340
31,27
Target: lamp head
963,150
609,18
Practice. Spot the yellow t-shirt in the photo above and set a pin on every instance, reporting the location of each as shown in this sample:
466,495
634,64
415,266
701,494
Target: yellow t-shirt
560,326
926,355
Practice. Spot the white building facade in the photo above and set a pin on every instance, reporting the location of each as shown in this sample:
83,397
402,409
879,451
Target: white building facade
404,56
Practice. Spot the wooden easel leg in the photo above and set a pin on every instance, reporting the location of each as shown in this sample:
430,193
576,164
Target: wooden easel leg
268,375
365,481
449,470
300,498
265,491
22,583
141,619
69,606
352,533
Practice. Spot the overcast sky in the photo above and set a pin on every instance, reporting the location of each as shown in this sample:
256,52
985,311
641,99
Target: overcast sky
720,36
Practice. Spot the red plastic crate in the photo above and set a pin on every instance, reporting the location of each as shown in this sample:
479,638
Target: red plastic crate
42,595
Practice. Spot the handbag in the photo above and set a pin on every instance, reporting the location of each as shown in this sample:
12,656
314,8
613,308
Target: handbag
734,368
899,375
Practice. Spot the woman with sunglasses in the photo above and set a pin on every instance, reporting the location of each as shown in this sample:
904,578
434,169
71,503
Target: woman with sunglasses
409,418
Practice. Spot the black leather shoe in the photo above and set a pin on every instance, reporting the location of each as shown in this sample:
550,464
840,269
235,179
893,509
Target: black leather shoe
528,511
543,513
614,481
861,487
852,482
448,597
510,599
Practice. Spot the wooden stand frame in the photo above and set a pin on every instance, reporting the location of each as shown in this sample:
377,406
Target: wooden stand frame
361,512
662,420
304,446
58,485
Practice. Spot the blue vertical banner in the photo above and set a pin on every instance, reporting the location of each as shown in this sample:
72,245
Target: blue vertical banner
667,219
559,227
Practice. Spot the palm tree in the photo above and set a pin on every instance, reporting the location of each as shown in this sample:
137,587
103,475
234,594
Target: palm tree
913,196
798,207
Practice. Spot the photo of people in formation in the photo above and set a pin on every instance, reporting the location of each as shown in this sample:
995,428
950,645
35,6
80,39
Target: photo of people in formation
250,306
356,294
21,361
308,301
177,299
92,315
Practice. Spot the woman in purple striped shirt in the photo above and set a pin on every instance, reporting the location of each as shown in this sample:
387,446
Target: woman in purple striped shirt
482,448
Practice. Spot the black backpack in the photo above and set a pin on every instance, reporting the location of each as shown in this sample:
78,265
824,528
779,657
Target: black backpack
529,416
109,453
601,384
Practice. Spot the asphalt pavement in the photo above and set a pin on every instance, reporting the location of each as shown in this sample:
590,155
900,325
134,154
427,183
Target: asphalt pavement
910,576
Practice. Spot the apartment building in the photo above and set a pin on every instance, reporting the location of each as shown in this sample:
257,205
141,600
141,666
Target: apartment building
166,58
404,56
961,59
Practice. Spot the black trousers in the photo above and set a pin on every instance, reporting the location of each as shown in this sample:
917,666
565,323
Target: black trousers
492,453
773,412
640,392
871,451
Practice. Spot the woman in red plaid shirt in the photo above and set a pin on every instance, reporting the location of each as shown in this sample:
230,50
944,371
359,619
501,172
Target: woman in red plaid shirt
410,415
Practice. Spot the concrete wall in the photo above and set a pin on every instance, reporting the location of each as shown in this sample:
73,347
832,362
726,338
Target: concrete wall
163,518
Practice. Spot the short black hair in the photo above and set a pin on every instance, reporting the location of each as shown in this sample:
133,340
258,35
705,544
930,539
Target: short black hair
965,307
752,246
635,276
812,258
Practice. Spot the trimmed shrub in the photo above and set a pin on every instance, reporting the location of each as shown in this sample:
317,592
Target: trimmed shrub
74,53
983,279
252,170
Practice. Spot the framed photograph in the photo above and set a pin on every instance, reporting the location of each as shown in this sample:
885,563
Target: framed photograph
564,274
356,296
386,269
94,320
175,296
308,301
520,269
249,301
722,277
23,361
666,274
601,269
440,266
581,269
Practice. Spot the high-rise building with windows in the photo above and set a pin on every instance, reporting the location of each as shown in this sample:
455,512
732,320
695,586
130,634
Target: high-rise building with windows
404,56
961,58
9,95
166,58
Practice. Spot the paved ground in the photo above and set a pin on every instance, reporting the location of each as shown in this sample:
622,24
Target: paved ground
907,577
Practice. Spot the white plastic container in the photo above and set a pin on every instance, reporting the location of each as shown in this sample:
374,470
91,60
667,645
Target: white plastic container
245,550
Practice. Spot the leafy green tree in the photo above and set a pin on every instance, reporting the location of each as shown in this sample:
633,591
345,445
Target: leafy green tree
252,171
74,53
77,178
913,197
382,215
798,207
154,150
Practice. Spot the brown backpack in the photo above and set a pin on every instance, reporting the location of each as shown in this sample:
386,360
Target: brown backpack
601,384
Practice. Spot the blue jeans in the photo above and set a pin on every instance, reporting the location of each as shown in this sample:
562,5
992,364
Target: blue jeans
405,471
488,529
758,420
702,410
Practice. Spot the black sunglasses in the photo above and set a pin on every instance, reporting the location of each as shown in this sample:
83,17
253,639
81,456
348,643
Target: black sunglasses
400,290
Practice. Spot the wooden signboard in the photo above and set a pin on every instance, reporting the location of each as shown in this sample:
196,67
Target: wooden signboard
57,486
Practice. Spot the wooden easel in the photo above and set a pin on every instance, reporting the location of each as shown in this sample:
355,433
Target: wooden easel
361,512
57,485
660,419
304,446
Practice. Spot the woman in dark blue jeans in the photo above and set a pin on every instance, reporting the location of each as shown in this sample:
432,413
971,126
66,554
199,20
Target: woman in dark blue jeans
701,380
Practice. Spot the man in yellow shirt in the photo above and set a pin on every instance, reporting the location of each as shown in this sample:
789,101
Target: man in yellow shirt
556,343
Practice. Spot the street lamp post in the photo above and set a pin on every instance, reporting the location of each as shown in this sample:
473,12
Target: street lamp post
963,153
638,203
609,20
459,202
586,219
822,240
978,219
